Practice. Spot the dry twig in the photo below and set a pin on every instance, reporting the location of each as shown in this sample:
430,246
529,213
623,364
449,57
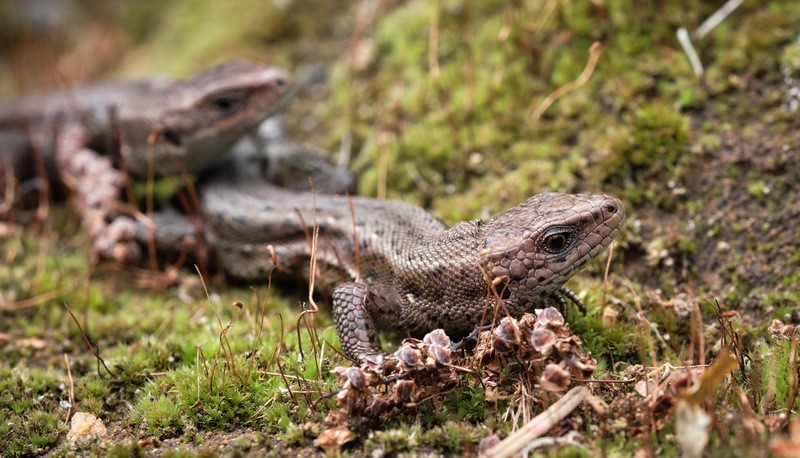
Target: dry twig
91,345
71,390
591,63
540,425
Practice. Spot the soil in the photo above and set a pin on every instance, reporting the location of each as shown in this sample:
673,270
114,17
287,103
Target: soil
730,226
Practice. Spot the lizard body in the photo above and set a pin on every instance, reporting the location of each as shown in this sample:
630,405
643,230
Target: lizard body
412,273
187,125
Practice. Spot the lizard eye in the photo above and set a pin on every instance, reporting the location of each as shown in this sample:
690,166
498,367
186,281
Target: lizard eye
556,240
226,104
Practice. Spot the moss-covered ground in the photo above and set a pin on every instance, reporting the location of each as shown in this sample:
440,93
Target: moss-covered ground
442,104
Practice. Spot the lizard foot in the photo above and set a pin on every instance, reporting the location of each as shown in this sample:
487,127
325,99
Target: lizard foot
357,335
561,297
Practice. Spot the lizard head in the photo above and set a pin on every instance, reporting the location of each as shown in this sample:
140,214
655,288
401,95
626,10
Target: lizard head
532,249
211,111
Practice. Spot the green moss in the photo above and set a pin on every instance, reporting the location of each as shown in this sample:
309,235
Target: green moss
762,31
91,392
757,189
161,417
452,437
468,405
123,450
224,393
301,434
650,147
394,441
775,374
29,405
613,342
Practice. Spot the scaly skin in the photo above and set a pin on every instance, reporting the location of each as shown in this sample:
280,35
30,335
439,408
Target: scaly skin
413,274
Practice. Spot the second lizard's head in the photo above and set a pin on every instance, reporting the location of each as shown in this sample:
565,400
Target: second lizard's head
532,249
208,113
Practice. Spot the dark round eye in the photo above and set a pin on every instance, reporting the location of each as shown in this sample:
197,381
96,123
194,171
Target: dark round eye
225,104
556,240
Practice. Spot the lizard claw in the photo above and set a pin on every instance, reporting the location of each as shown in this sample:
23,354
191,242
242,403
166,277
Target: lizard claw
565,293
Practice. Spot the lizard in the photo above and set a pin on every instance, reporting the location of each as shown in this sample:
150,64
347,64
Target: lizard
174,126
403,268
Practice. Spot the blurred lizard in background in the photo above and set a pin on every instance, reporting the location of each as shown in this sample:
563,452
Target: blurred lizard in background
88,137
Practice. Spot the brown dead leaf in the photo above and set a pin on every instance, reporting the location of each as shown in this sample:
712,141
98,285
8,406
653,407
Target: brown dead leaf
333,438
711,379
554,379
610,315
160,281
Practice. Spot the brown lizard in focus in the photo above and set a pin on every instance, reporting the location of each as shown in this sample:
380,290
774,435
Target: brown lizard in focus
409,272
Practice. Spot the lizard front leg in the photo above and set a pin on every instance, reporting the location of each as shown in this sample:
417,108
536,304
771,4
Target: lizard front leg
95,186
353,305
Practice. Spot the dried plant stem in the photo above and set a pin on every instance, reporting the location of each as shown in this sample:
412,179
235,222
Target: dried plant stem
605,274
591,63
308,314
91,345
278,362
71,390
540,424
34,301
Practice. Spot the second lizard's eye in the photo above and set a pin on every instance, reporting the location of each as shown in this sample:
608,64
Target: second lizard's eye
226,104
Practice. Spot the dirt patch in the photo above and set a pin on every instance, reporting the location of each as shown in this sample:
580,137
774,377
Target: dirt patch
730,228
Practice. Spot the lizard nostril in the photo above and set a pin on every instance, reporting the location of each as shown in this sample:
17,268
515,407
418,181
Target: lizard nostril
611,208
